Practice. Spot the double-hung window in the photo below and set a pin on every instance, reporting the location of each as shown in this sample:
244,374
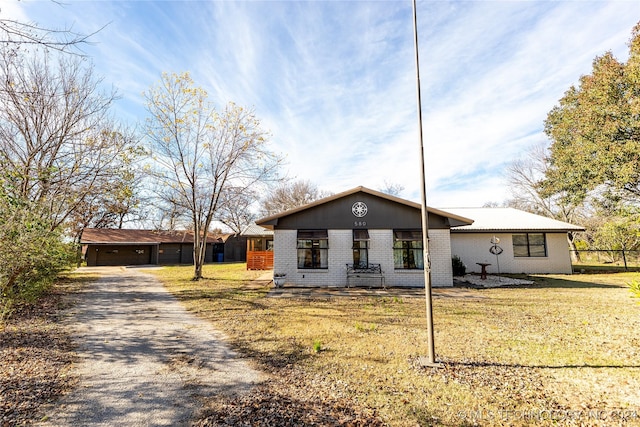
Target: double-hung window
360,248
313,249
529,245
407,250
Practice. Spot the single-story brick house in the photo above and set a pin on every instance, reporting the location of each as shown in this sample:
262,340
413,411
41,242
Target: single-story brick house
314,244
528,243
105,246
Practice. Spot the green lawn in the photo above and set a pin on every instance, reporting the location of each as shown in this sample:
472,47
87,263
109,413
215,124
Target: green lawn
566,347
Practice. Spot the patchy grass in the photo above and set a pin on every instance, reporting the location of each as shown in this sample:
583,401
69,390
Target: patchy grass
36,354
564,350
602,268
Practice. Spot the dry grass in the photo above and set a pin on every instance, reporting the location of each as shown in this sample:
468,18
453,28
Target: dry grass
564,350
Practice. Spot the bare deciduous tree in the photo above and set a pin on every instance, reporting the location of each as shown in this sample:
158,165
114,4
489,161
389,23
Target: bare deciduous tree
168,214
393,189
291,195
237,210
58,145
525,176
115,200
201,154
15,34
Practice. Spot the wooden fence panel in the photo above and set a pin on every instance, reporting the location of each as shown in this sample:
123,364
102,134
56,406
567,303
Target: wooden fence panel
260,260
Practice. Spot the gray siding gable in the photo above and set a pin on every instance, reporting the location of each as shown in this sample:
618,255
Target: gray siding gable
336,214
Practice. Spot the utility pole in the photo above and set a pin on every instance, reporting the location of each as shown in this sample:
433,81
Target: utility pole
430,359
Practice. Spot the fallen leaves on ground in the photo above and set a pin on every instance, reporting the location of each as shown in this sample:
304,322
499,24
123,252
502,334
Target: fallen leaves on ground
508,384
288,399
36,355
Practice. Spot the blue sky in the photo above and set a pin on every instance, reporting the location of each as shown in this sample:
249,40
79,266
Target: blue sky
334,81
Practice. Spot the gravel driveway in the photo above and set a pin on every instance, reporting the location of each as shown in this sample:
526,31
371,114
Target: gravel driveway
143,359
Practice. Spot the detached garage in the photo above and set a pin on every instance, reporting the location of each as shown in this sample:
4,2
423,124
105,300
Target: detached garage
108,247
124,254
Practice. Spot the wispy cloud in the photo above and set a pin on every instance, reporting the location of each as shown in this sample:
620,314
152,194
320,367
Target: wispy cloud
334,82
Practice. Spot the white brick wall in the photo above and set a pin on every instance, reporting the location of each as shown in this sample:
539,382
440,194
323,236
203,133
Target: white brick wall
440,251
474,247
380,252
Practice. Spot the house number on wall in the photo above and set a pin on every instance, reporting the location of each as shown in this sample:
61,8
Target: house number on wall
359,209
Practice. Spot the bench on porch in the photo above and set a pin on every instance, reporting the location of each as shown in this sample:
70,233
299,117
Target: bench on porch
365,271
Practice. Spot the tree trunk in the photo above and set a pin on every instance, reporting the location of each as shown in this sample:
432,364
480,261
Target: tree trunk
199,254
197,273
9,287
575,255
197,266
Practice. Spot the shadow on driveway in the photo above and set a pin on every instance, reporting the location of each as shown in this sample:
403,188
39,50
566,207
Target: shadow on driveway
144,360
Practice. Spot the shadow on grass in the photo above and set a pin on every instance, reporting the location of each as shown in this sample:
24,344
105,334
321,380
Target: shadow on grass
243,281
479,364
272,361
554,282
603,269
237,298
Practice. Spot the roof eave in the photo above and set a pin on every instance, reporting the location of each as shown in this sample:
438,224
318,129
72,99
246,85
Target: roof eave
118,243
516,230
271,221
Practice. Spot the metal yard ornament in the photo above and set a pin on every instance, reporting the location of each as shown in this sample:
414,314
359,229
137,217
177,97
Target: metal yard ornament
496,250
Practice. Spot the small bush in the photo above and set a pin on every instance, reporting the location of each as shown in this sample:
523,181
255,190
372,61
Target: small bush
459,269
317,346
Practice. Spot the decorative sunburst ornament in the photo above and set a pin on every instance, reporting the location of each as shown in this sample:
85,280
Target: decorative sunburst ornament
359,209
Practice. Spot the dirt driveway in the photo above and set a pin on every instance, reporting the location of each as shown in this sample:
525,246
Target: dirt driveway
143,359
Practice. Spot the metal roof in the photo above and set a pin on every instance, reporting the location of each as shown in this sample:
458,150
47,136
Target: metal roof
508,219
255,230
